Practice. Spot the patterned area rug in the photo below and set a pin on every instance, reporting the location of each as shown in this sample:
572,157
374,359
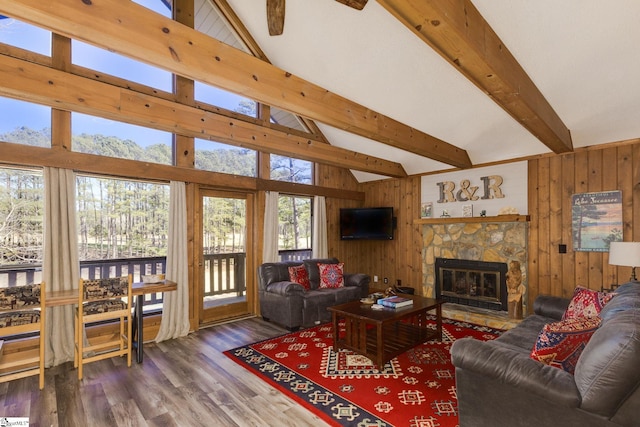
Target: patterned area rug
415,389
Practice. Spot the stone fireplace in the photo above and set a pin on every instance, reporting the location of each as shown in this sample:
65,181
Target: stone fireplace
487,240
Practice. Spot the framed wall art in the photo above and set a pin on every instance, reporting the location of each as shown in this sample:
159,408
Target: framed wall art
596,220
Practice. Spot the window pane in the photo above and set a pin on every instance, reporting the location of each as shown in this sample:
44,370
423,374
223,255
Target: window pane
123,228
222,98
121,218
25,36
217,157
117,65
25,123
21,226
294,217
163,7
290,169
95,135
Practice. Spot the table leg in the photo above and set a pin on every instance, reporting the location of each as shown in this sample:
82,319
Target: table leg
336,331
439,322
137,324
380,343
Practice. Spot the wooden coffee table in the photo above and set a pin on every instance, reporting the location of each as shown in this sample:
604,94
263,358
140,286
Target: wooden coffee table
383,334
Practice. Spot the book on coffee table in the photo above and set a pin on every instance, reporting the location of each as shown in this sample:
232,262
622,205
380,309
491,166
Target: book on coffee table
395,302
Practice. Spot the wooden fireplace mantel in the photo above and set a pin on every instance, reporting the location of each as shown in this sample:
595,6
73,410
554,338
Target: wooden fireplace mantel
474,219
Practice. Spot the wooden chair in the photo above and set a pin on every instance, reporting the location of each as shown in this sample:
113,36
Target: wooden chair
103,300
22,311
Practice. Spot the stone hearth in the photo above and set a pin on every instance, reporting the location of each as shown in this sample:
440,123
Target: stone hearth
479,316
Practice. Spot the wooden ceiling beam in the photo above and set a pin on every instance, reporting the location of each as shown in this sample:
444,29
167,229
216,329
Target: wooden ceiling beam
456,30
132,30
23,155
65,91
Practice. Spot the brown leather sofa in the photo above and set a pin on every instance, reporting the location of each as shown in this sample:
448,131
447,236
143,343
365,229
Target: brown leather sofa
498,384
289,305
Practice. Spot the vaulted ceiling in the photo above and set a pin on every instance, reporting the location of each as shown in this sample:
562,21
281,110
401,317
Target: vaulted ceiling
570,80
400,86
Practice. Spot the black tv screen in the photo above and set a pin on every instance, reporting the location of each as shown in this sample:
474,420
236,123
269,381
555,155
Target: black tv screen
366,223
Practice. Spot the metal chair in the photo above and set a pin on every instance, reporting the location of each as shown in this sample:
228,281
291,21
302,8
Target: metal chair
103,300
22,311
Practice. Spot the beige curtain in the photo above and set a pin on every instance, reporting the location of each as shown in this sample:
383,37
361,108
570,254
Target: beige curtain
175,308
270,245
61,268
319,243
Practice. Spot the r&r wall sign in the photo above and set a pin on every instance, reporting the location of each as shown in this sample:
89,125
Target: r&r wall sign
490,190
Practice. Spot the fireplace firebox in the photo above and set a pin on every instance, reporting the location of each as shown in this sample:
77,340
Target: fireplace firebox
479,284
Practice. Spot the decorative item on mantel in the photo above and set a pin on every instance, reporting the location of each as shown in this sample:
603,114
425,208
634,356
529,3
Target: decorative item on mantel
426,210
626,254
515,290
508,210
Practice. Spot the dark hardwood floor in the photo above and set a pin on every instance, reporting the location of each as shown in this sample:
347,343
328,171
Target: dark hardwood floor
182,382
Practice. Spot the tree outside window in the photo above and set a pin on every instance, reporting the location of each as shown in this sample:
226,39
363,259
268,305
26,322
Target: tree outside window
291,170
121,219
295,219
21,218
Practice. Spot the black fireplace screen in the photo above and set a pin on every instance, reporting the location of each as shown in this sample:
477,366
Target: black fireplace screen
475,283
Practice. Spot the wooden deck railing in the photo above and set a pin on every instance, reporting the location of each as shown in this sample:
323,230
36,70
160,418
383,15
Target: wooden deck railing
224,273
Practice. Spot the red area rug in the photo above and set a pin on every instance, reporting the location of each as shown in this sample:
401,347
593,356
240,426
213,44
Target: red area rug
415,389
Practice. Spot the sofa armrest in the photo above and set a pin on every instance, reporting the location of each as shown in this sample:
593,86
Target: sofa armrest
285,288
356,279
511,367
550,306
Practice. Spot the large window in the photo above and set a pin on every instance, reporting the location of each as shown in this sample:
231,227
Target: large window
291,170
217,157
25,123
294,226
25,36
123,229
21,226
121,218
163,7
222,98
94,135
94,58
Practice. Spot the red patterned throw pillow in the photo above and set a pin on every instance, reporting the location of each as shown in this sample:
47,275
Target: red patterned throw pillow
331,275
298,274
560,344
586,303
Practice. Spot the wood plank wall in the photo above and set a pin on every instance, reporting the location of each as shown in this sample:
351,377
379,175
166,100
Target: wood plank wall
552,180
396,259
329,176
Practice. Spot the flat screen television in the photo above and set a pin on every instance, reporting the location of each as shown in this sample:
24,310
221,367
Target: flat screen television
367,223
